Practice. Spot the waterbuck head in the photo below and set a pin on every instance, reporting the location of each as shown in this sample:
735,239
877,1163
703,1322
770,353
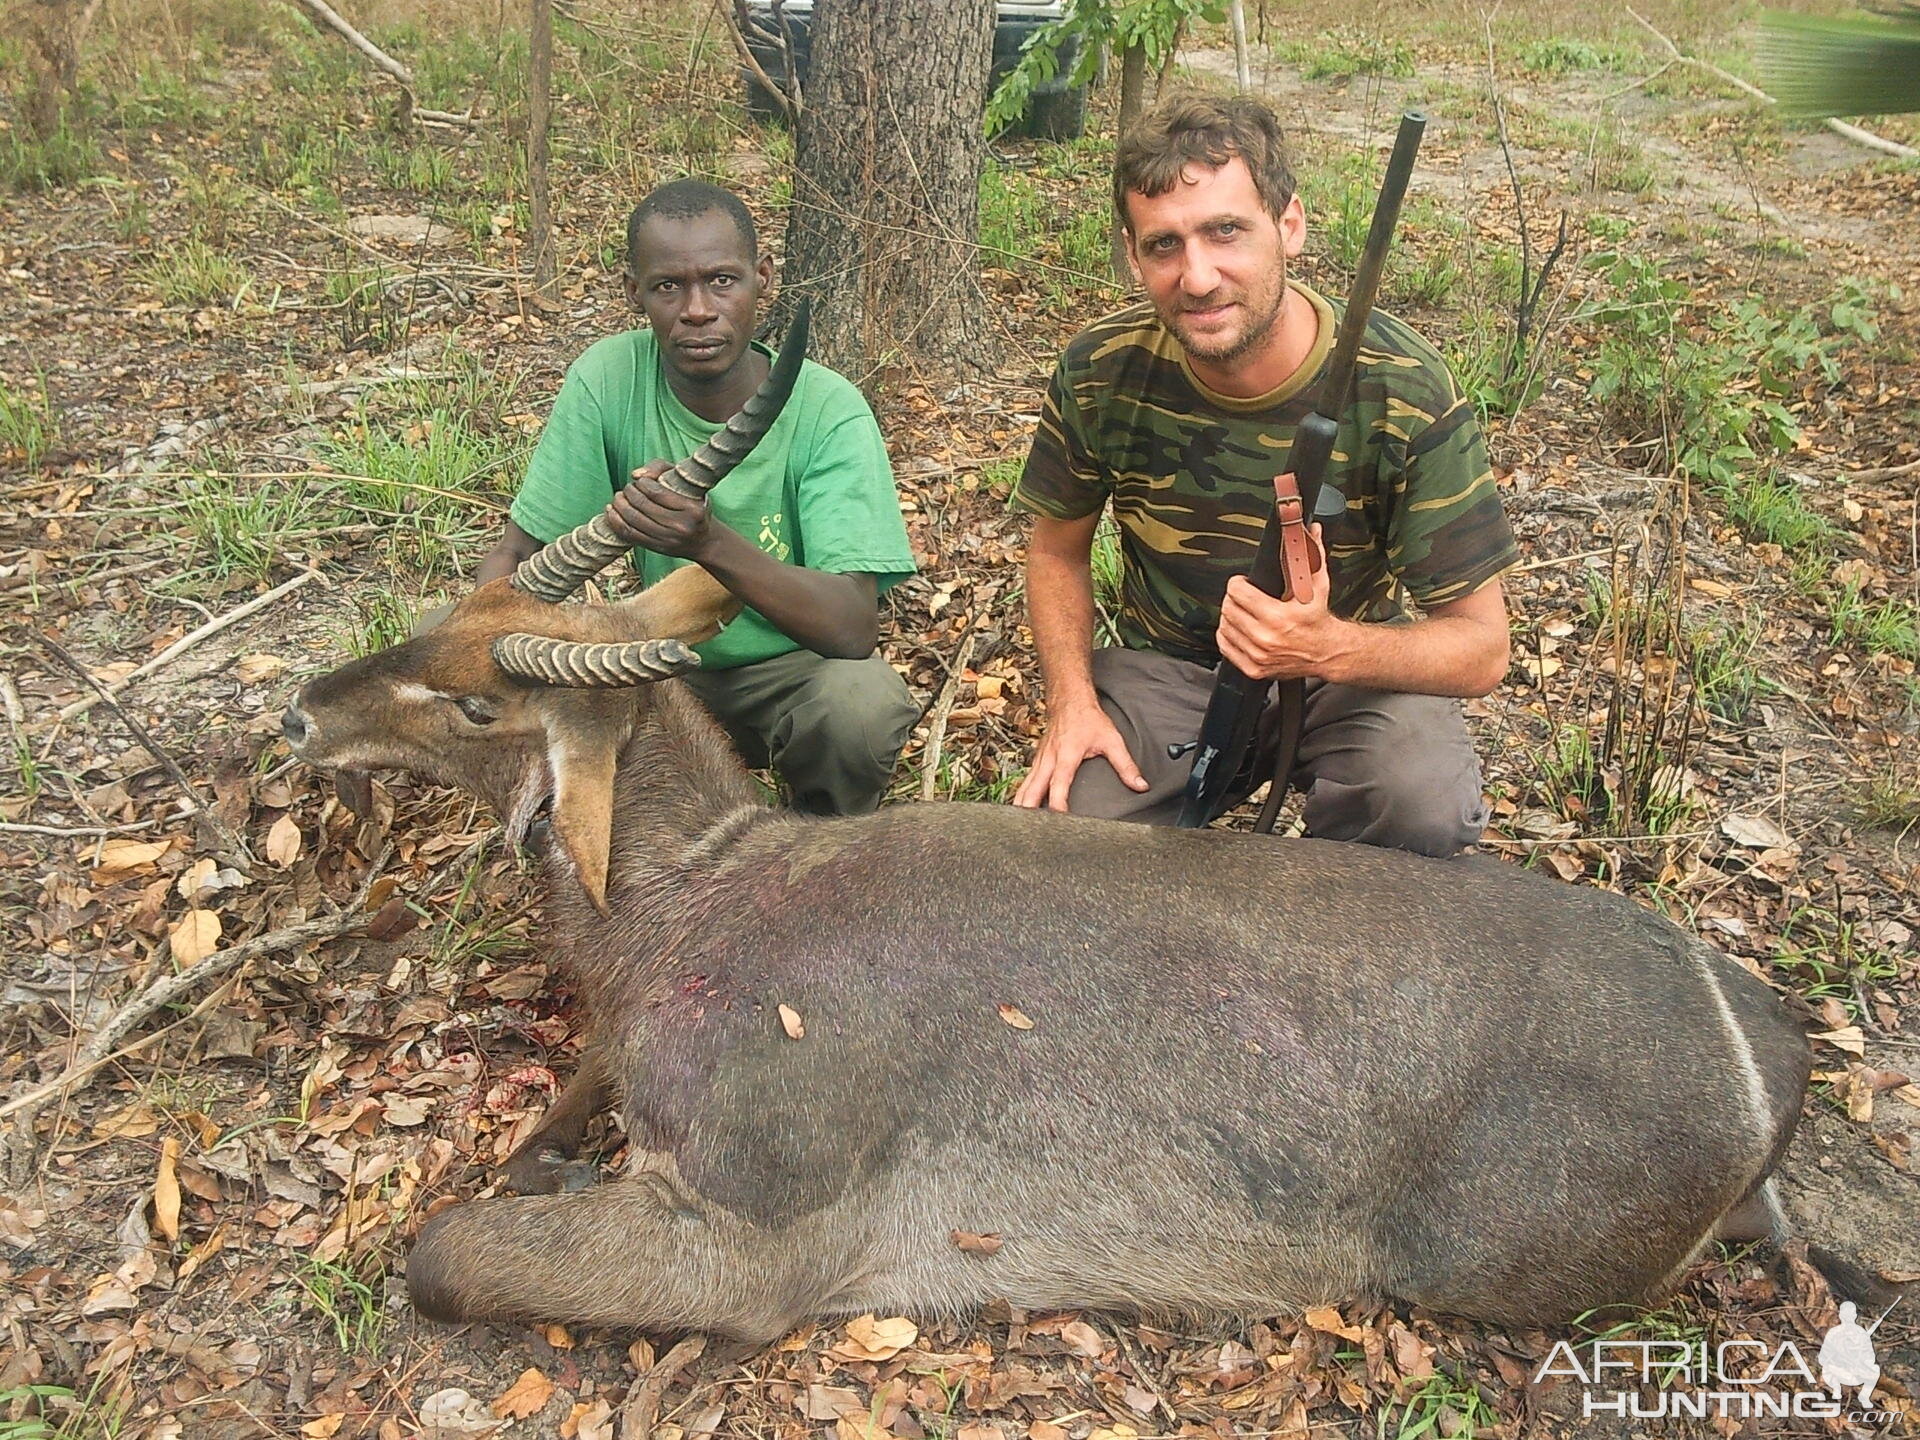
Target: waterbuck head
524,700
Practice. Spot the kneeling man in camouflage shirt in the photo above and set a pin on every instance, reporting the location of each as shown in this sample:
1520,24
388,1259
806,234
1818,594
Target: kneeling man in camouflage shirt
1179,412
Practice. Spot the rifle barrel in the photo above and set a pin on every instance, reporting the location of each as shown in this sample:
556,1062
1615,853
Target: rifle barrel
1373,260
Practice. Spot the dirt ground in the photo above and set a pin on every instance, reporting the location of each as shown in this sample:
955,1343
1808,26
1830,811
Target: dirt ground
206,1238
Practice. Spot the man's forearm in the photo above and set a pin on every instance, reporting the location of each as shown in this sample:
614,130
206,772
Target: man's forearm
832,615
1060,610
1439,655
516,545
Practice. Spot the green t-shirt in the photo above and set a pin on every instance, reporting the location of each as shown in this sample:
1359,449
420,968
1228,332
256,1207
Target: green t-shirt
817,491
1408,508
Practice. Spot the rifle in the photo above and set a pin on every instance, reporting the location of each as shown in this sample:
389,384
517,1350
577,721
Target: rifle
1282,562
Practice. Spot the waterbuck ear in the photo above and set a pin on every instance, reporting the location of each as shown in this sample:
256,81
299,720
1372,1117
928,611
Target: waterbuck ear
687,605
585,731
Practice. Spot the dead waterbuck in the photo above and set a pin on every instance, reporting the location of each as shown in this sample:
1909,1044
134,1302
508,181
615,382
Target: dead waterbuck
1168,1070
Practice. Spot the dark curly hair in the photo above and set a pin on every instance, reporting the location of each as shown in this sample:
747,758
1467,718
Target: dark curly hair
1194,128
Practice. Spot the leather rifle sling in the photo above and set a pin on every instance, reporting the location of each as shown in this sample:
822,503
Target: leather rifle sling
1298,561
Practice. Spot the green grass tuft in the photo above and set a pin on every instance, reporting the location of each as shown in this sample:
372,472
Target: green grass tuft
1346,51
195,274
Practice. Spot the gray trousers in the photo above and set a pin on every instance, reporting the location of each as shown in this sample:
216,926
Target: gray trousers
1375,766
831,728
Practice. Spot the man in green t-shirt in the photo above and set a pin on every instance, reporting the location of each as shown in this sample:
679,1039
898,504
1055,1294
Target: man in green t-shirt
1179,412
806,530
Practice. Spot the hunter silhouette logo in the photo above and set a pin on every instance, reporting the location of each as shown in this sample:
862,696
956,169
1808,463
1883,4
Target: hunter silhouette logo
1846,1356
1672,1379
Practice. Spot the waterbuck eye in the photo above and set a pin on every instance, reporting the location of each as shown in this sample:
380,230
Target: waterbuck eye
475,709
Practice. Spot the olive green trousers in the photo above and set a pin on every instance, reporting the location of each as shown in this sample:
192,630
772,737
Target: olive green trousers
830,728
1375,766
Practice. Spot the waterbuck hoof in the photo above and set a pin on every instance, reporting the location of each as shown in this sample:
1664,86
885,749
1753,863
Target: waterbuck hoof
547,1171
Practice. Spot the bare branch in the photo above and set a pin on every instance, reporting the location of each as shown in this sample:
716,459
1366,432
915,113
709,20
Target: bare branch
98,1050
937,730
385,64
1839,127
739,26
186,642
234,848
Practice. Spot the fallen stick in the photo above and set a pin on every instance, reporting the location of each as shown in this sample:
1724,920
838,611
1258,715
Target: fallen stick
118,572
187,642
1884,472
234,848
642,1406
98,1049
1839,127
88,832
937,728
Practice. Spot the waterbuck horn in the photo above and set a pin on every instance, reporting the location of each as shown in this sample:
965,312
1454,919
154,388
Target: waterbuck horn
592,667
559,569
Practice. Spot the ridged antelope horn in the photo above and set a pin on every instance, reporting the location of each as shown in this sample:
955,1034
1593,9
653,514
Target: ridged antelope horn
594,667
558,569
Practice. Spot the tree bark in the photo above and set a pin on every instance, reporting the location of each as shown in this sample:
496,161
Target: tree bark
57,30
1133,99
1242,66
885,222
539,108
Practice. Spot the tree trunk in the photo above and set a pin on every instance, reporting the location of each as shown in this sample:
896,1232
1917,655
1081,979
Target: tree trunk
886,188
539,108
1133,99
57,29
1242,66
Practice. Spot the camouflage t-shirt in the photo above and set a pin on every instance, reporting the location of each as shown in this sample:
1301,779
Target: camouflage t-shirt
1408,508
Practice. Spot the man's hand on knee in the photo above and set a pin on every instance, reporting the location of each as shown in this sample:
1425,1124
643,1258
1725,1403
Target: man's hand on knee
1074,736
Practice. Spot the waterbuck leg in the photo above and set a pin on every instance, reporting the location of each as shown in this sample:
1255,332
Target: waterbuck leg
547,1161
630,1252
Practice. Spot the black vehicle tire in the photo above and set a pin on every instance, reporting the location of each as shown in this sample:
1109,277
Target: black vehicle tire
1056,113
762,104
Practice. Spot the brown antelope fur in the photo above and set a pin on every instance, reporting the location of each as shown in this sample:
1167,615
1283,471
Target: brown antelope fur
1261,1074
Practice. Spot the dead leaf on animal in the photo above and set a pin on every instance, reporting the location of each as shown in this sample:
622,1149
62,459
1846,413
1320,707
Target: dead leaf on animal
791,1022
526,1396
980,1246
194,937
1016,1017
